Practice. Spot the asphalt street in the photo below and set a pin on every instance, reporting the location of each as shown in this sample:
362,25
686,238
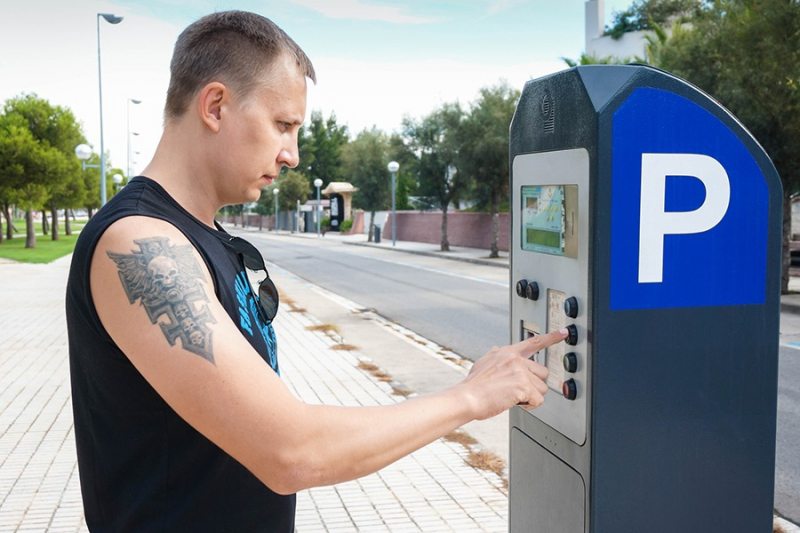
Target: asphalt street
463,307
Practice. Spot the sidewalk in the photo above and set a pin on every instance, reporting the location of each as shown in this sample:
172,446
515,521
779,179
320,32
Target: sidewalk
431,490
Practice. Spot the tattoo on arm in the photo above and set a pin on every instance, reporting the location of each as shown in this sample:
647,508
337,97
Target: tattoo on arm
164,278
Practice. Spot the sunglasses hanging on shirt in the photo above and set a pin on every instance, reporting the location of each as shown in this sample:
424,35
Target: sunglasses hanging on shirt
267,292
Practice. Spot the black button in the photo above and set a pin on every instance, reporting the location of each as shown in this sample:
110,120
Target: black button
570,361
569,389
571,307
521,284
532,291
572,335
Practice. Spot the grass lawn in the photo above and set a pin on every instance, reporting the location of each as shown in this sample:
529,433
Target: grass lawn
46,250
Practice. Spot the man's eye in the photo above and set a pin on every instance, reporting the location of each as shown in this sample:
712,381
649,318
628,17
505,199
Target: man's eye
285,125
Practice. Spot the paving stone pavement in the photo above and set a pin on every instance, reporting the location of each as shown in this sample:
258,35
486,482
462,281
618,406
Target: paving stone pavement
431,490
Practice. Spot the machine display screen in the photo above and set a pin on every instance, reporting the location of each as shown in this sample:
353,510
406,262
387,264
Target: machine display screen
544,221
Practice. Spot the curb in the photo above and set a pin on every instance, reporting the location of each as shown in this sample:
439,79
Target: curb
442,255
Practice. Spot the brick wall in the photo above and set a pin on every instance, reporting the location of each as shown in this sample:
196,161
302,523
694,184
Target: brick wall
472,230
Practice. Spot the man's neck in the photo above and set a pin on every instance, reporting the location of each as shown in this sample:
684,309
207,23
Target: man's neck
182,173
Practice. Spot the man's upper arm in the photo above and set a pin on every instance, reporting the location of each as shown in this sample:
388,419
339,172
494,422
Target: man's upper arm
147,279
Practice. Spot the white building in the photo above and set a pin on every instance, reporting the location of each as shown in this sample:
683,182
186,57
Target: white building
629,46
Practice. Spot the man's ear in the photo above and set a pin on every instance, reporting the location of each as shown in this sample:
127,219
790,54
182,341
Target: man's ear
210,101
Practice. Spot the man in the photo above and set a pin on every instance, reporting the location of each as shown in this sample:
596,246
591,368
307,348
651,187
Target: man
182,422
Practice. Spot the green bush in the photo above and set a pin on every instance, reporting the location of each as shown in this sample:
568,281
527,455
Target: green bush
325,222
346,225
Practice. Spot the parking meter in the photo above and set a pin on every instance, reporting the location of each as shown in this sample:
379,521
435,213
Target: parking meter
647,221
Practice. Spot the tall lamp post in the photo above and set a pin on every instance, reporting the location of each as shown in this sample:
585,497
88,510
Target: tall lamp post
393,167
135,102
318,184
111,19
84,152
275,192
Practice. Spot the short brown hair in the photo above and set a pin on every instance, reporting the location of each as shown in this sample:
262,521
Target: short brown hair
234,47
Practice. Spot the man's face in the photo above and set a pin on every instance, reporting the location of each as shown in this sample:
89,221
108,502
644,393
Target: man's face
259,136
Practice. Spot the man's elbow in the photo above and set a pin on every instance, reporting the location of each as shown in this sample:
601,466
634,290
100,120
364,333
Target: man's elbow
292,472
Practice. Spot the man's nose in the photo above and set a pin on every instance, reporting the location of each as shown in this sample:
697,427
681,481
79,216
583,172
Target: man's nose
290,158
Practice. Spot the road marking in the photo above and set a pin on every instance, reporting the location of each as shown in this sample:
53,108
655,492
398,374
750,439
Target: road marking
795,345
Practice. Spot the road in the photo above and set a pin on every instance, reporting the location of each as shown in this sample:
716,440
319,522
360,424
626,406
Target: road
464,307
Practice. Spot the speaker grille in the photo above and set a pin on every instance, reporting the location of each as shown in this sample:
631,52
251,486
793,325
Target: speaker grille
548,110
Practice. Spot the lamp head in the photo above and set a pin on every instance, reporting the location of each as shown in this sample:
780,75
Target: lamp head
317,182
83,152
275,191
393,166
117,179
111,19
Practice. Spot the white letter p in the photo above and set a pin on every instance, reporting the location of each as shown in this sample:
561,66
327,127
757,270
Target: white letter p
655,221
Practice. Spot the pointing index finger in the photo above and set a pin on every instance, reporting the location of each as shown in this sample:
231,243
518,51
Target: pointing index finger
530,346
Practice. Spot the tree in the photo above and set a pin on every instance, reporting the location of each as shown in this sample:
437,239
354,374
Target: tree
436,139
320,147
19,153
293,188
58,133
483,158
646,14
405,182
364,160
746,53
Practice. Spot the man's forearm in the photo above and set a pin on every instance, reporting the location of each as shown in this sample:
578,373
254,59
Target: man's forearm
335,444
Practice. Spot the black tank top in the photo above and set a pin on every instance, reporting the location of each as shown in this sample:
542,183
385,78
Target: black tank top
142,467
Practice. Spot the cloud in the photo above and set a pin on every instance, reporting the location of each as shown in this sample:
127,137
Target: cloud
363,94
358,10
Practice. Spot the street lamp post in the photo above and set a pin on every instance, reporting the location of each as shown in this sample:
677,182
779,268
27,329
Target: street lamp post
111,19
318,184
130,101
117,179
393,167
275,192
84,152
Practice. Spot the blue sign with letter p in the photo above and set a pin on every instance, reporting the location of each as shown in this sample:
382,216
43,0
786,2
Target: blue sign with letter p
689,208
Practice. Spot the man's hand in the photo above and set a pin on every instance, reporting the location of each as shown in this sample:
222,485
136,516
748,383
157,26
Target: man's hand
506,376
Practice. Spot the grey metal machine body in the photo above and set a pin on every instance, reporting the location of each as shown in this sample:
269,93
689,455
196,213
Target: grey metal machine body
647,220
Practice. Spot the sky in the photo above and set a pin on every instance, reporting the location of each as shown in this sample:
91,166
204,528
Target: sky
377,61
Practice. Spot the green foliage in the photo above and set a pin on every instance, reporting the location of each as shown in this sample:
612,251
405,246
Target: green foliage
646,14
437,139
484,141
405,181
39,168
364,160
320,148
346,225
746,53
325,222
590,59
293,186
